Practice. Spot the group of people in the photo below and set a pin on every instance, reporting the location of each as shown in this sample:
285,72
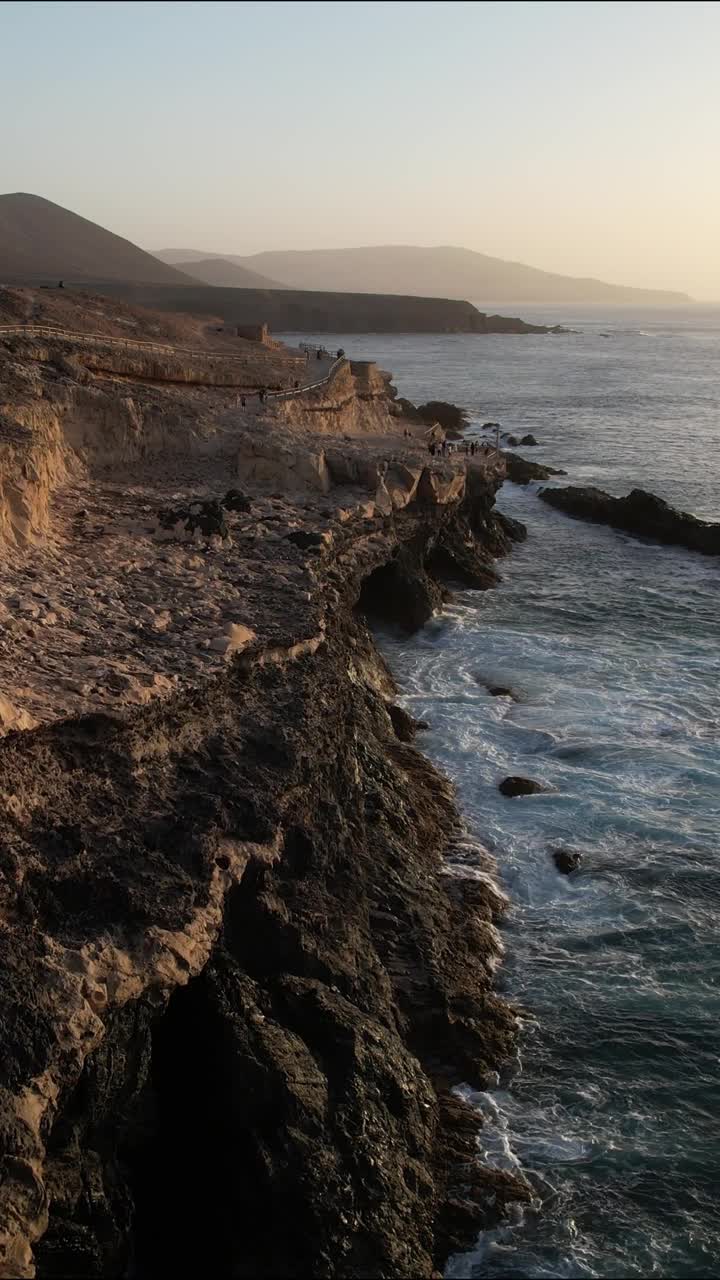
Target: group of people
445,448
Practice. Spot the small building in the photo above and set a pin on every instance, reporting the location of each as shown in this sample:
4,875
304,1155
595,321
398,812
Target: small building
255,333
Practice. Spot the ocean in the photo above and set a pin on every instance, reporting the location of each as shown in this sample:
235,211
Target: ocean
610,648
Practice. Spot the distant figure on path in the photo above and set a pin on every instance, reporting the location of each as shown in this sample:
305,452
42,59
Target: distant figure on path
242,402
318,354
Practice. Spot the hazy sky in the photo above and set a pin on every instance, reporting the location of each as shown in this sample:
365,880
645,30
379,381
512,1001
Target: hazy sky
579,137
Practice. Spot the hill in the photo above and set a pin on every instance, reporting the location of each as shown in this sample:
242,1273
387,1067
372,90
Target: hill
39,238
309,311
229,275
442,272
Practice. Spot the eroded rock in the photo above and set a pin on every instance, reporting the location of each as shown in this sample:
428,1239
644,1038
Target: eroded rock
519,786
640,513
520,471
567,860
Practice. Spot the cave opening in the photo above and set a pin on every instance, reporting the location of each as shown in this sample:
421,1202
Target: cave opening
179,1183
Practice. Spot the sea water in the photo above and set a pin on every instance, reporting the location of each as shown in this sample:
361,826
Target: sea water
609,646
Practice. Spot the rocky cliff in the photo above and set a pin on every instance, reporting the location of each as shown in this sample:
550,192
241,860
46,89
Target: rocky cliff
246,951
295,311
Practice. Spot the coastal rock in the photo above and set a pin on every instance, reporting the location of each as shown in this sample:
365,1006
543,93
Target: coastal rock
640,513
567,860
520,471
518,786
512,440
405,725
528,439
450,416
515,530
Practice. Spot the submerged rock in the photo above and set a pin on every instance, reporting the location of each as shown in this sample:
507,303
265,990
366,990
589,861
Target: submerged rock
640,513
520,471
567,860
517,786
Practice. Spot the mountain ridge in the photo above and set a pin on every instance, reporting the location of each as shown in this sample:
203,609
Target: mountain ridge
441,270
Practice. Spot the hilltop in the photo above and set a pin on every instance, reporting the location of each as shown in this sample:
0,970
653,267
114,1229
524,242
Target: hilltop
39,238
229,275
443,271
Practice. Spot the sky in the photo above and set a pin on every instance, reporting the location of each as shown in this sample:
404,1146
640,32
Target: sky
582,138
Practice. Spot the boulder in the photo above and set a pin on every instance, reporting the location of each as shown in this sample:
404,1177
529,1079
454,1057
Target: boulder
236,500
528,439
520,471
307,539
450,416
517,786
405,725
512,441
567,860
205,517
640,513
500,691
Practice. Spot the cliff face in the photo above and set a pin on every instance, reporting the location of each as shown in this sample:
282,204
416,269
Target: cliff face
294,311
239,977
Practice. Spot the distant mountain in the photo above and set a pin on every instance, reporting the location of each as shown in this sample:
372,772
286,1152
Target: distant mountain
438,272
219,271
41,239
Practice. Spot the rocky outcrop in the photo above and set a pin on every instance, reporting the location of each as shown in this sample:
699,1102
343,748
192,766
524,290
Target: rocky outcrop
518,786
640,513
520,471
567,860
235,969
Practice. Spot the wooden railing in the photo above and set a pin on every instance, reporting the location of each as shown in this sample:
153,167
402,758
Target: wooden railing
52,331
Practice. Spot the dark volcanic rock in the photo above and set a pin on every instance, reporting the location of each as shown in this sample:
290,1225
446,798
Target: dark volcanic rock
236,500
405,725
512,440
528,439
515,529
517,786
640,513
567,860
500,691
450,416
205,517
520,471
306,539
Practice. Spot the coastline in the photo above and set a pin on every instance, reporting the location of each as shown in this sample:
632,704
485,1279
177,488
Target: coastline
244,968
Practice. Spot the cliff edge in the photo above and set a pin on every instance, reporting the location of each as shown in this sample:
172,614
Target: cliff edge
246,949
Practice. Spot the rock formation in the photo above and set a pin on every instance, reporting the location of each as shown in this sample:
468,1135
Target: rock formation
236,970
518,786
520,471
640,513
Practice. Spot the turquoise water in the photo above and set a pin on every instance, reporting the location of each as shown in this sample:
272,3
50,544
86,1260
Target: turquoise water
610,647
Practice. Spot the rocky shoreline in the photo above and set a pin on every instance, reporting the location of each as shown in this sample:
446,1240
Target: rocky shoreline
240,979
